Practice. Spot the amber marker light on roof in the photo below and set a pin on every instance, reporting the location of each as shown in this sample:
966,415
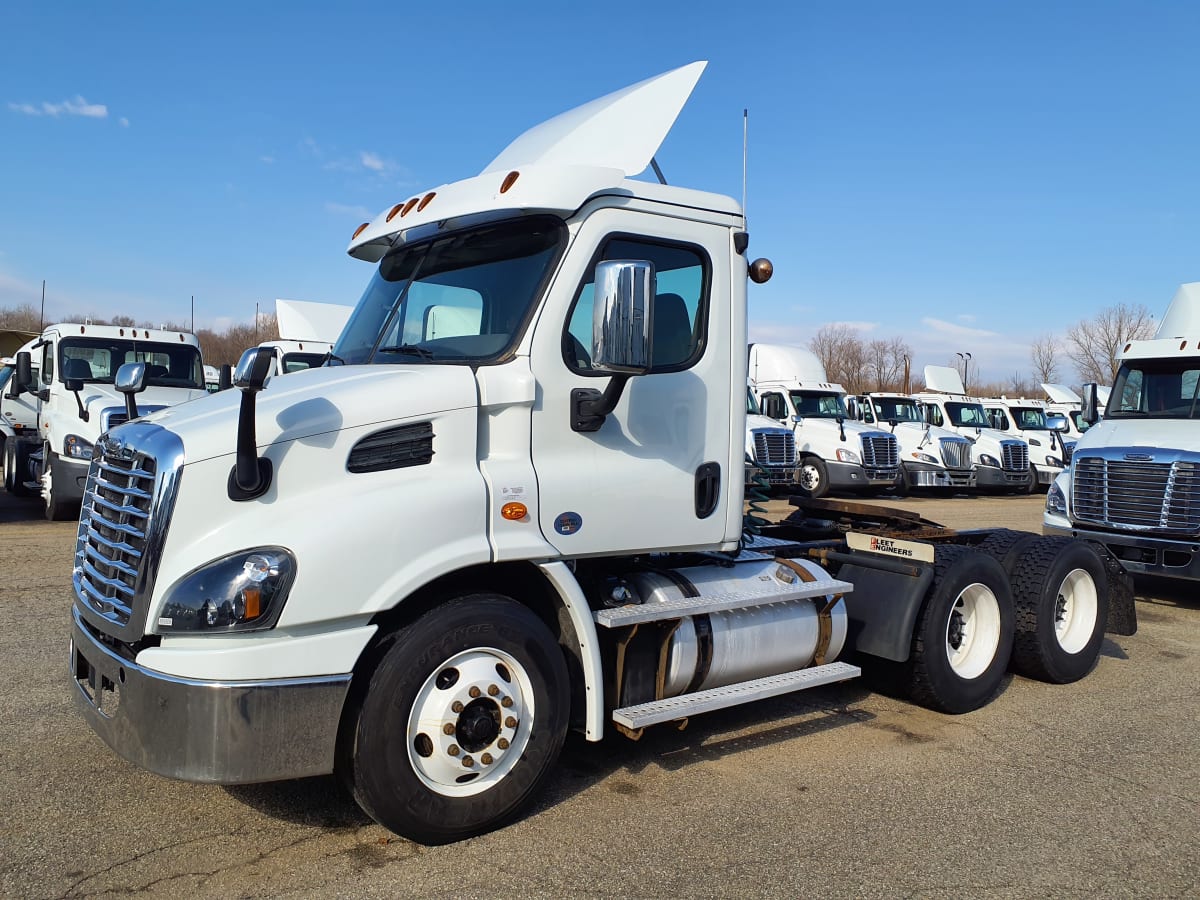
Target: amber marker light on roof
392,212
408,207
359,230
514,512
509,180
425,200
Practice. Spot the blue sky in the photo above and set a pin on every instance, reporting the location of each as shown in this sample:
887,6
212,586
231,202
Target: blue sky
966,175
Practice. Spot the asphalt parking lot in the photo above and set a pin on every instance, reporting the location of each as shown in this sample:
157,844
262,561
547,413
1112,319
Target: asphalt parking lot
1077,790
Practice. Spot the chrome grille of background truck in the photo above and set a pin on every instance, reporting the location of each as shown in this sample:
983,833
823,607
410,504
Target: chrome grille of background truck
1143,494
775,448
1014,456
956,452
122,522
880,451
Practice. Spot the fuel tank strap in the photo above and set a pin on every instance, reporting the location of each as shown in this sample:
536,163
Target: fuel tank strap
824,611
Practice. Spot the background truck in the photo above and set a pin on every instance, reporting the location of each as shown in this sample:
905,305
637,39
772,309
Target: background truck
307,331
835,452
71,389
1134,481
1062,400
770,448
1026,419
1001,462
930,457
18,427
531,528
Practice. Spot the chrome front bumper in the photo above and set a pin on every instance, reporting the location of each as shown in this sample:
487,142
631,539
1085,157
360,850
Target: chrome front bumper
990,476
222,732
1137,554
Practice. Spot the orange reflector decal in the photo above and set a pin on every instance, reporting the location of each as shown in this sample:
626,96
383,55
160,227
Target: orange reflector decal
392,212
514,511
425,200
408,207
359,230
509,180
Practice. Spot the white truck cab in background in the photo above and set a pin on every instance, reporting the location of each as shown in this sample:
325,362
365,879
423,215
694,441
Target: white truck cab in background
18,425
1062,400
76,401
834,451
1134,480
770,447
307,331
1001,462
930,457
1026,419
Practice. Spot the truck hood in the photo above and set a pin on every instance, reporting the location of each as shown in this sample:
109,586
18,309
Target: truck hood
910,434
1151,433
761,423
98,397
313,402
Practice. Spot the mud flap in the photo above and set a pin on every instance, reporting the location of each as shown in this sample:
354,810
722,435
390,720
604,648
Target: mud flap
1122,614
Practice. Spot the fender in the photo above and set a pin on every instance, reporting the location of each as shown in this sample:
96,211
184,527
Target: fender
560,577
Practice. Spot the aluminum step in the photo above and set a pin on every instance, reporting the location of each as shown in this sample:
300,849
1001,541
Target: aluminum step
694,606
685,705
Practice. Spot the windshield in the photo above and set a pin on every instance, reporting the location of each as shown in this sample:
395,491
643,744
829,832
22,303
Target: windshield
1155,389
297,362
465,296
96,360
5,374
752,408
1080,424
818,406
967,415
896,409
1028,418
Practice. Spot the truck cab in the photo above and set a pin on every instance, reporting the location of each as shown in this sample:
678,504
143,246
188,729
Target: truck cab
834,451
75,400
1027,420
930,457
770,447
18,426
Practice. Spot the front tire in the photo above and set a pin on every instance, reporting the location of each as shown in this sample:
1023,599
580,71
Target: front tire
964,633
461,720
1061,597
812,477
57,509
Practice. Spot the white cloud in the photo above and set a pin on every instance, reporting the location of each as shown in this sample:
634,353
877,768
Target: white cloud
951,331
373,161
269,160
77,107
349,211
124,122
856,326
965,317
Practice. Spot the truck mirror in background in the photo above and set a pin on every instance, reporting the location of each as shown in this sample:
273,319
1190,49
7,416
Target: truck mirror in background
251,475
130,381
623,317
22,379
225,377
1056,422
1088,406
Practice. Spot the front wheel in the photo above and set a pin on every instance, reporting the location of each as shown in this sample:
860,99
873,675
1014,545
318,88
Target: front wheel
461,720
813,477
964,634
57,509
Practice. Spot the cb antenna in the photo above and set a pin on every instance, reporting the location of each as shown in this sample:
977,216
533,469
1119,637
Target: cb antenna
745,152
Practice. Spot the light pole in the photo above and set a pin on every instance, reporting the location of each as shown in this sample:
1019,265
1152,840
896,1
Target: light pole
966,358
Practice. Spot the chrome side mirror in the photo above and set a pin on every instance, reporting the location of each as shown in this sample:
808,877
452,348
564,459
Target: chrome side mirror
623,317
130,381
253,368
1056,422
1089,408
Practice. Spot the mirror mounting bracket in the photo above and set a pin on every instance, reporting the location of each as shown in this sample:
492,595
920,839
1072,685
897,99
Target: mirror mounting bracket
590,407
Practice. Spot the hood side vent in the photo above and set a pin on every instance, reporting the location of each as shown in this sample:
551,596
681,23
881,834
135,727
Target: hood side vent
393,448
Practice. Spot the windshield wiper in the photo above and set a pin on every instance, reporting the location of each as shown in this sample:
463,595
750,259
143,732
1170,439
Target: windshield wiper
408,350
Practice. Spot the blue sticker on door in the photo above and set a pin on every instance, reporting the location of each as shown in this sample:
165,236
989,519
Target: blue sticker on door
568,523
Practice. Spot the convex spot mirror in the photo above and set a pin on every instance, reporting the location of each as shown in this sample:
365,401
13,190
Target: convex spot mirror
623,316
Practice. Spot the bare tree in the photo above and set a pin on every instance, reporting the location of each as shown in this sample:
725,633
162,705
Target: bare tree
25,317
1043,352
842,354
885,363
1093,343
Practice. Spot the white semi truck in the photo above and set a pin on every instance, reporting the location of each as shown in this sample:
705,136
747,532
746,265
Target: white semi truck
930,457
835,452
527,529
71,389
18,426
1001,462
1134,481
1062,400
770,448
1027,419
307,331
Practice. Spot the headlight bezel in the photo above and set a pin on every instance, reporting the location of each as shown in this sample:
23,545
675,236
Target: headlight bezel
847,455
76,447
1056,500
215,598
986,459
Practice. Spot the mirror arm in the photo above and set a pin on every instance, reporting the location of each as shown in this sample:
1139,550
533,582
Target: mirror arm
590,407
83,413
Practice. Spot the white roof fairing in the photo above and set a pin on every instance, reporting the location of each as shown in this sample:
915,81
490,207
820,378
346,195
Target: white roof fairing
943,380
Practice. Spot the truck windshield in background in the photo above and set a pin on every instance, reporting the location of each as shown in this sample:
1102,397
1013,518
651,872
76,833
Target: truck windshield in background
463,297
896,409
819,406
1028,418
967,415
1155,389
298,362
96,360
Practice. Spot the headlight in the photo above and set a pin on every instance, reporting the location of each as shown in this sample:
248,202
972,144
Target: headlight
986,459
926,458
1054,461
75,447
1056,501
847,456
242,592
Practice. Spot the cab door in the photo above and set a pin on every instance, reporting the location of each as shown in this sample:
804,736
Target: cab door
639,482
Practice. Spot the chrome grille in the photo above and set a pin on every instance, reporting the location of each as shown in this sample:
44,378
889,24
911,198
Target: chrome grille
1142,494
880,451
1014,456
775,448
956,452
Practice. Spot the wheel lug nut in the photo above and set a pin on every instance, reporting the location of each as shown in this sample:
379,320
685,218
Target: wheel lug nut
486,759
452,749
474,692
506,702
510,722
493,690
448,728
502,743
456,706
468,762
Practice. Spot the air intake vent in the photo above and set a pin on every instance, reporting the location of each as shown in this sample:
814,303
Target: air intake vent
393,448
